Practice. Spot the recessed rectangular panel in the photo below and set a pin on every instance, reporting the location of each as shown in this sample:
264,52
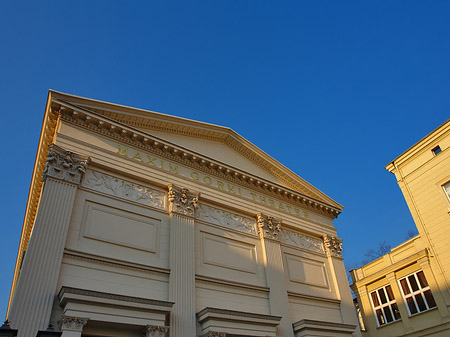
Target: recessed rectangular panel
306,271
120,227
230,254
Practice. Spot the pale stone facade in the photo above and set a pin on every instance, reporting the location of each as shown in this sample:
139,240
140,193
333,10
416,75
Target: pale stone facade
140,223
416,272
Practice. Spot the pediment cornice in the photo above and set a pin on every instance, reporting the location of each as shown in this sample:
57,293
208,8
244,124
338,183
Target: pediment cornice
139,139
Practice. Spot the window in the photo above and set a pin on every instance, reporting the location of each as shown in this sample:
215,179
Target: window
417,293
436,150
384,305
446,188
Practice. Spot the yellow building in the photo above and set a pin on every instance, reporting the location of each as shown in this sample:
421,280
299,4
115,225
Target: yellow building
145,224
406,292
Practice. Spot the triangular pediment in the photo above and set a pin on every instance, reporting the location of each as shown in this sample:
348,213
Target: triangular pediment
213,142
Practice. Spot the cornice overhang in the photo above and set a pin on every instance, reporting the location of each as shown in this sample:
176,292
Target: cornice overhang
153,144
148,120
421,146
48,129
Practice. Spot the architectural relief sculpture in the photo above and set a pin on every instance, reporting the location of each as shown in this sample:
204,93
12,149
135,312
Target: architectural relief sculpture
123,189
227,219
156,331
269,227
64,165
333,246
181,201
72,323
301,241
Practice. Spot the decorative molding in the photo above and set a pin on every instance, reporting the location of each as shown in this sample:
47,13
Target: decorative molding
111,128
156,331
226,219
269,227
232,285
181,201
235,313
124,189
301,241
65,165
97,294
72,323
333,246
214,334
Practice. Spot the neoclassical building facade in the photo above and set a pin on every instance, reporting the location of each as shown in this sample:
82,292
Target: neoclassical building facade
140,223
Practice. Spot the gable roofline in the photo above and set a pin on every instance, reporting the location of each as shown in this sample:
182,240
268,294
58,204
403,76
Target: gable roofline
422,145
159,121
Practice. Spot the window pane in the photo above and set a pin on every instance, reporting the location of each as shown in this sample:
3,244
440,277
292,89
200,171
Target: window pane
411,306
422,280
413,282
380,317
387,313
420,302
430,299
390,293
395,311
405,287
382,296
375,299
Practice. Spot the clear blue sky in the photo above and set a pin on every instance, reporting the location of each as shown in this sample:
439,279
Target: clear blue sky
334,90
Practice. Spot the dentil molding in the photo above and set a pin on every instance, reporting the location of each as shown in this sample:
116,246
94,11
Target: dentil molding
65,165
269,227
181,201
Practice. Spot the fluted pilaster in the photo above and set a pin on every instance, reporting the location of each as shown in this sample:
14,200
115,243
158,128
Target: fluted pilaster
36,288
182,206
269,228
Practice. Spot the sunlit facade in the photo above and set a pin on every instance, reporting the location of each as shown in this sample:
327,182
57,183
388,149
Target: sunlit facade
140,223
406,292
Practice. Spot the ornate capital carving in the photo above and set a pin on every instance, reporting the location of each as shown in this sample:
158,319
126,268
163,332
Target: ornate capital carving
181,201
333,246
214,334
156,331
268,227
72,323
65,165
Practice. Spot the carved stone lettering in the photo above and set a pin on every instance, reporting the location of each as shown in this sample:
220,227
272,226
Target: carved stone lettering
227,219
269,227
72,323
65,165
333,246
156,331
124,189
301,241
181,201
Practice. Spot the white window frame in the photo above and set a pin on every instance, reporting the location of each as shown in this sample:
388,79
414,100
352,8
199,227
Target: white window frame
446,188
381,306
421,291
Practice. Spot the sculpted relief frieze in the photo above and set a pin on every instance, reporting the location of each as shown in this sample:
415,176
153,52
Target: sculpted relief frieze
123,189
226,219
301,241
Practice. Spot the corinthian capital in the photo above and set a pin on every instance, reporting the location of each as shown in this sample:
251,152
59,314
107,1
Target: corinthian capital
65,165
333,246
214,334
72,323
156,331
181,201
268,227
